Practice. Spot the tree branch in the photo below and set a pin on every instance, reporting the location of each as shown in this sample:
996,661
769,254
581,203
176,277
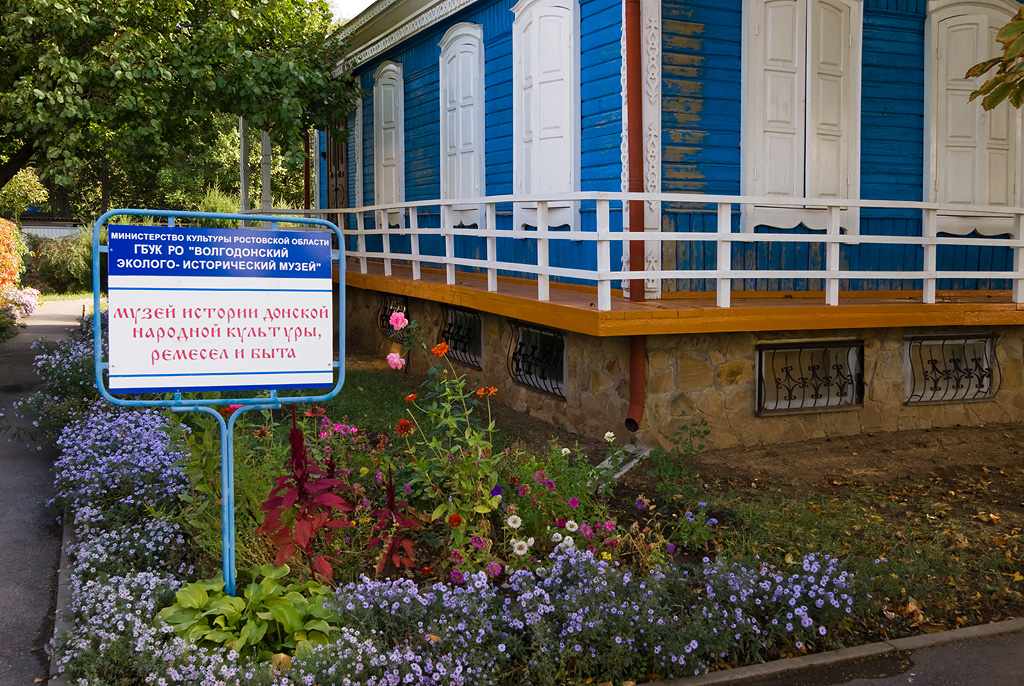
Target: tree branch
18,160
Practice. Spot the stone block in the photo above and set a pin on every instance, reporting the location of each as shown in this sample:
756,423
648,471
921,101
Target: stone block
694,372
1012,372
712,403
662,382
735,371
716,357
657,361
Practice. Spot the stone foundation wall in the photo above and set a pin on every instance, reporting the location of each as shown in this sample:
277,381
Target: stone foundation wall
708,376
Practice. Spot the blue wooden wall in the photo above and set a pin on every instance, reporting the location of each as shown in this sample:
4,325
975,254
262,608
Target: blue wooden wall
701,123
599,136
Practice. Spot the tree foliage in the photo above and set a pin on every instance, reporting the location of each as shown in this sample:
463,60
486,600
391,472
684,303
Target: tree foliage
88,79
1008,81
21,192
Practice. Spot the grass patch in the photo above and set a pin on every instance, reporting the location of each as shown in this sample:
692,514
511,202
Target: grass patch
60,297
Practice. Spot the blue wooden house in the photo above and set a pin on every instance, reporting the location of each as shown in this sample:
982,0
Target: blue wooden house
831,234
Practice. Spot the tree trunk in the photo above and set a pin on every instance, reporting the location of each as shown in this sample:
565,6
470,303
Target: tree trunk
104,184
14,165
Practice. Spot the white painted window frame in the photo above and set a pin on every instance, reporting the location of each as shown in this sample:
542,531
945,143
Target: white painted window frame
962,223
389,71
525,214
811,216
462,34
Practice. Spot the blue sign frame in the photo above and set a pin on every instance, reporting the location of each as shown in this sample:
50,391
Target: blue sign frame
177,403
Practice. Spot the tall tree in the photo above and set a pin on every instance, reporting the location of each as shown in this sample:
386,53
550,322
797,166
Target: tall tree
80,77
1008,81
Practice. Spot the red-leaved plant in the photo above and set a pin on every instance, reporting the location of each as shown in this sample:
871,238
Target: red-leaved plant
391,522
301,510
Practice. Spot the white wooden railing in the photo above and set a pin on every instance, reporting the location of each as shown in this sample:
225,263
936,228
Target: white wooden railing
723,273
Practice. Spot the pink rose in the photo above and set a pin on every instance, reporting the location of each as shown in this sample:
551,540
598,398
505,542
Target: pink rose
398,321
395,361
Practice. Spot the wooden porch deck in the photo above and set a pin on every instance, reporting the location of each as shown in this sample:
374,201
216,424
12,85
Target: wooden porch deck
574,308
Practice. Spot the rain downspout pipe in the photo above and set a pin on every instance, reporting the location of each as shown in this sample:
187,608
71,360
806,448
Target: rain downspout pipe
634,127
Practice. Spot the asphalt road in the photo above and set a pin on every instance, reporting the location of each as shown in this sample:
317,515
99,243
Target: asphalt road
985,661
30,538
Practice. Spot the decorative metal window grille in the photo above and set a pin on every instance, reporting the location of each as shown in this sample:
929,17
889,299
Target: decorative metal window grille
390,303
536,359
809,377
463,333
945,369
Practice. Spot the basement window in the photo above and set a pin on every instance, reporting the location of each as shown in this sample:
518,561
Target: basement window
950,369
463,333
536,359
810,377
389,304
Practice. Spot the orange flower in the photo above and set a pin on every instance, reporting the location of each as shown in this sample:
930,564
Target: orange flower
404,428
409,398
455,521
440,350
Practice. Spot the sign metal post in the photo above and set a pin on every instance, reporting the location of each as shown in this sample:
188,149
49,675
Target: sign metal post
219,310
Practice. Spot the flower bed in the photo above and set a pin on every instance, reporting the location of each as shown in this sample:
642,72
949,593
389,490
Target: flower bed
423,558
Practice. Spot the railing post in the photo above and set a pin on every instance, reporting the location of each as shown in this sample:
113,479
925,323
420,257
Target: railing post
928,232
832,256
724,284
491,223
361,241
543,281
604,258
449,244
385,238
1018,263
414,239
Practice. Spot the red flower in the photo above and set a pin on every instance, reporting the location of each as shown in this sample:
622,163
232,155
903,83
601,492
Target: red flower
404,428
455,521
409,398
316,412
440,350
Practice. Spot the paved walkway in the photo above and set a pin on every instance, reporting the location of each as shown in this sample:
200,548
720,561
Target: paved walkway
29,535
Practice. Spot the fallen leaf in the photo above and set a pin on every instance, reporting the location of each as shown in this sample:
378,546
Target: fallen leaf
1016,576
931,627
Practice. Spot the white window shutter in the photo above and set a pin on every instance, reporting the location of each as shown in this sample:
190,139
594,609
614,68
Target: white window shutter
462,119
545,105
828,116
780,110
389,137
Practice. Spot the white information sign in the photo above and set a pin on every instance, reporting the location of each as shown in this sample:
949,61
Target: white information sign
195,309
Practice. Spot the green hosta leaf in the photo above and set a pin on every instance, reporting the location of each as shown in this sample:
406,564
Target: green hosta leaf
175,615
272,572
192,595
288,617
319,625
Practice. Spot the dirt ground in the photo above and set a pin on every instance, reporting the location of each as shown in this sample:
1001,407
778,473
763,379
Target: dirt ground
991,455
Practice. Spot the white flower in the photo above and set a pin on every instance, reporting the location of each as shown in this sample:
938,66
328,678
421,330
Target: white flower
529,541
519,547
609,436
566,451
571,525
567,542
514,522
556,537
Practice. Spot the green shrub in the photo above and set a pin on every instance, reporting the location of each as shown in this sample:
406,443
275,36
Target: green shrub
217,201
270,617
63,265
